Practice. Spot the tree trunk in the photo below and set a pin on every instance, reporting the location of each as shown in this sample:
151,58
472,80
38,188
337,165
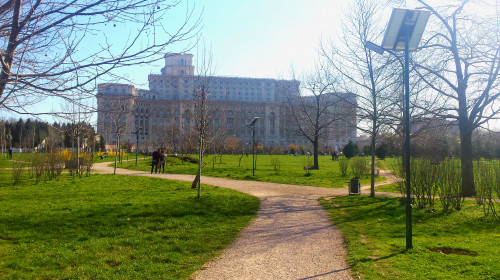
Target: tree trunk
372,181
194,185
315,152
468,188
116,152
200,160
78,155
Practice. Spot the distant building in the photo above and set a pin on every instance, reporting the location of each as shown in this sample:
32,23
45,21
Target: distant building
162,115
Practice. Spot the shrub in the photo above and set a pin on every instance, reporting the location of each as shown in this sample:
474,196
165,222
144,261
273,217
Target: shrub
17,171
190,159
449,181
423,182
486,178
397,166
275,162
350,150
381,151
429,179
377,168
343,165
38,165
307,162
66,155
86,163
71,165
359,166
54,166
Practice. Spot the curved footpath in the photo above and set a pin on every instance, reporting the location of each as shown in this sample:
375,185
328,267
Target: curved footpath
291,238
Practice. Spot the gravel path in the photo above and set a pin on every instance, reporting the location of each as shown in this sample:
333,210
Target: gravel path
291,238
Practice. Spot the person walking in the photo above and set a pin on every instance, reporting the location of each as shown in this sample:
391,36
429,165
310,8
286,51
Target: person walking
155,161
163,159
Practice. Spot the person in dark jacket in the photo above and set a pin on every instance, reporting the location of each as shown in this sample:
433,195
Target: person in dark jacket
163,159
155,161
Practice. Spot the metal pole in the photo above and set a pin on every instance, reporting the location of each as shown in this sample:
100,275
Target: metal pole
253,154
137,145
409,244
4,142
116,152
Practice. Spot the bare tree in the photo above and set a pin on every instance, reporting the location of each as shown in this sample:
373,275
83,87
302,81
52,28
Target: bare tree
117,114
232,145
371,77
172,137
42,53
77,126
461,61
313,110
201,115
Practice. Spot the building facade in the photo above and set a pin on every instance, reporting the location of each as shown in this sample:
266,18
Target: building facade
162,116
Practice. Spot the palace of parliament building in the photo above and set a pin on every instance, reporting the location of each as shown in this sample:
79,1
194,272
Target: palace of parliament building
162,116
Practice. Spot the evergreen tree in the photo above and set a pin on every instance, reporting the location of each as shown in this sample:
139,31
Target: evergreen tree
381,151
350,150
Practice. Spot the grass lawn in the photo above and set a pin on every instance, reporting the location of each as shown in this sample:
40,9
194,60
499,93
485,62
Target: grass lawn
388,188
462,245
390,163
24,158
291,169
114,227
393,188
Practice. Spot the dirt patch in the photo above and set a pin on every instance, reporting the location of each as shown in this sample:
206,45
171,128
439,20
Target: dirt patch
455,251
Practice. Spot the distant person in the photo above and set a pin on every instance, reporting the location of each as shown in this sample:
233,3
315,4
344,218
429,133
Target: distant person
163,159
10,153
155,161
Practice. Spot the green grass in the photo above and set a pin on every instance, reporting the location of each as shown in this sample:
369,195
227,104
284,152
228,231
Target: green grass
114,227
388,188
25,158
392,188
374,233
291,170
129,156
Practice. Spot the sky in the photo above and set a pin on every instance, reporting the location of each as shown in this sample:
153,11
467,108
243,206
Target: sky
263,39
256,39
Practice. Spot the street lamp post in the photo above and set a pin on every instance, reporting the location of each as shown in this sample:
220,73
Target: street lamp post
116,151
136,144
252,125
404,32
128,147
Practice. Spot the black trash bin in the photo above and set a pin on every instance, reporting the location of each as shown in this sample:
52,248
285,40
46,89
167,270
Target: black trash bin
354,186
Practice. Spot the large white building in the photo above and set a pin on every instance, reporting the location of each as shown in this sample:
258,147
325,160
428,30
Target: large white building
162,115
